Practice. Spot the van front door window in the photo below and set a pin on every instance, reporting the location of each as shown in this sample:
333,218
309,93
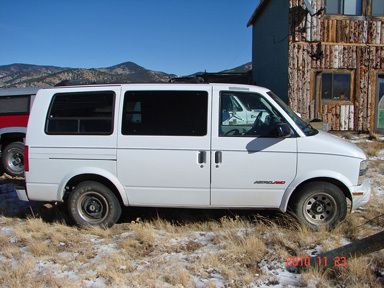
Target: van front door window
247,114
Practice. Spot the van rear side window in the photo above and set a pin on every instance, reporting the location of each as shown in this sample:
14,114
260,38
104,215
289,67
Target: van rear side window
165,113
89,113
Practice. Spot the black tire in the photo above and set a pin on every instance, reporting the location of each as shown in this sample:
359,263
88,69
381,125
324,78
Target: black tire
93,204
13,159
320,204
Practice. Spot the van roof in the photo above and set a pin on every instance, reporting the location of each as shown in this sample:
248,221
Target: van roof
231,85
18,91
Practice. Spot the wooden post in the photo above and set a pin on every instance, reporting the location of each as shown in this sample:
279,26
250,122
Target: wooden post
357,248
338,257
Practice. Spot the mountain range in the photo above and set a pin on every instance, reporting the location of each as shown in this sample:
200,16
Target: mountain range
27,75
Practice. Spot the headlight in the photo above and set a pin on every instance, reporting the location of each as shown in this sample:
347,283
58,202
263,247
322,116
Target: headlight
363,171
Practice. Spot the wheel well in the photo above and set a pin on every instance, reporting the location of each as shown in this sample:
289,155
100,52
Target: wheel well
11,137
320,179
73,182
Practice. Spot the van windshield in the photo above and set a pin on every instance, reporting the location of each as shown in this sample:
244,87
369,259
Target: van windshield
304,126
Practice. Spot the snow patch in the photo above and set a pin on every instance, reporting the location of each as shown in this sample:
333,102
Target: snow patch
380,191
380,156
278,275
7,230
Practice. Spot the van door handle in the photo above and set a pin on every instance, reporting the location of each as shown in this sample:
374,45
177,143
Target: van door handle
202,157
218,157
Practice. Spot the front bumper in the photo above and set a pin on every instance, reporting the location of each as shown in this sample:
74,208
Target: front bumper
361,194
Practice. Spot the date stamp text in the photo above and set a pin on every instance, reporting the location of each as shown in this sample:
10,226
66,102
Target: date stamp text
320,261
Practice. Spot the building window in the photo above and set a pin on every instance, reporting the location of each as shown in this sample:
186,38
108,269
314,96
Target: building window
89,113
355,7
335,86
165,113
344,7
377,8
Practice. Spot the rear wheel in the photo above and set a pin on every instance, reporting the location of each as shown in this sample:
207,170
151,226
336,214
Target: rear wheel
13,159
93,204
320,204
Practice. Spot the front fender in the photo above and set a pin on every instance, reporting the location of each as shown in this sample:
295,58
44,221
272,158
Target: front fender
316,174
94,171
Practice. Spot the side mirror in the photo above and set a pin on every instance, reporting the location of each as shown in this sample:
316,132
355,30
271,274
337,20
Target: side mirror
283,130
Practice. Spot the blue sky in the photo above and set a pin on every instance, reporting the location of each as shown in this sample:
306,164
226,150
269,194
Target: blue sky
174,36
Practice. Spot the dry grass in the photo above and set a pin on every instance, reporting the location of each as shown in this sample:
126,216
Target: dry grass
23,276
114,266
372,148
179,276
318,278
358,273
159,253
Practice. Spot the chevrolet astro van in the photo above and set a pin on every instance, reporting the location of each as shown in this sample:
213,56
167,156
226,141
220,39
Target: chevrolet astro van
98,148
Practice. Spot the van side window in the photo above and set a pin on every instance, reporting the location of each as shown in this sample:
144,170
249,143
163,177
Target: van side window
165,113
255,118
89,113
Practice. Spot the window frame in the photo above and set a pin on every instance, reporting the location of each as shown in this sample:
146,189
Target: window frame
319,73
17,113
113,94
379,74
341,4
125,99
275,110
370,10
366,12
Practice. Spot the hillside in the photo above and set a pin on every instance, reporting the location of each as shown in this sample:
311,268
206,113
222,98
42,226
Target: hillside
240,69
26,75
15,75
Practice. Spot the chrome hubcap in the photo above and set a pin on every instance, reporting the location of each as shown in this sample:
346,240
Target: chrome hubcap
93,207
320,209
15,161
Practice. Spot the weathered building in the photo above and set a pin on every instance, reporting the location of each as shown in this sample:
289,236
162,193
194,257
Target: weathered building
325,57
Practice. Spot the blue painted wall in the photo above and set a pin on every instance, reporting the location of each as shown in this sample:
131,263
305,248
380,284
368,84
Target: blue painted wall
270,48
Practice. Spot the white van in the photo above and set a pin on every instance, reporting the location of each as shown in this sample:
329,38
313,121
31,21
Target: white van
98,148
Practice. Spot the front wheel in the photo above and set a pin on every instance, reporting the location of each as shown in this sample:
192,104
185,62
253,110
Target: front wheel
93,204
320,204
13,159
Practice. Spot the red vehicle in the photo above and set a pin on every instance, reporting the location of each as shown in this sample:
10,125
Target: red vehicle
15,105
